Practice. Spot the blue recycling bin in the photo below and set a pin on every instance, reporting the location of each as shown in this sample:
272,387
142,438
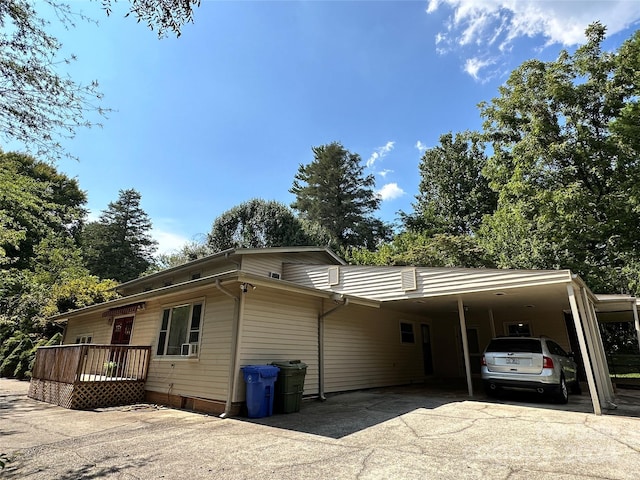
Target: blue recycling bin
260,380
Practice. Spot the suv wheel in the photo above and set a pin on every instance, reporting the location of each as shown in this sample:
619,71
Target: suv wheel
562,395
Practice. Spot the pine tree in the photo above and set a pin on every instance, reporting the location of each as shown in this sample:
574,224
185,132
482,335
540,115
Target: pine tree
454,195
333,191
118,245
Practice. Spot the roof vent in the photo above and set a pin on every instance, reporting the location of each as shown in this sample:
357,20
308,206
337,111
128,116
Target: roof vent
333,274
408,279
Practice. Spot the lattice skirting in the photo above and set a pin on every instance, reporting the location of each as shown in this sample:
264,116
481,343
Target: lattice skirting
87,395
51,392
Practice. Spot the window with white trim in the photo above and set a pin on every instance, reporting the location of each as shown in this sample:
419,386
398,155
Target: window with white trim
406,333
85,338
180,324
517,329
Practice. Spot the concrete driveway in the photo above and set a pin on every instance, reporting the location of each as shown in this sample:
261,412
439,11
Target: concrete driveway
390,433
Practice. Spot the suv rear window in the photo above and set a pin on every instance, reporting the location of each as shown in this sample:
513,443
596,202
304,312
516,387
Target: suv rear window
529,345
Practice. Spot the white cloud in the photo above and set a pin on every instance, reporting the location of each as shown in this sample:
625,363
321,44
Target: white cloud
385,172
494,24
473,66
390,191
168,241
420,146
380,153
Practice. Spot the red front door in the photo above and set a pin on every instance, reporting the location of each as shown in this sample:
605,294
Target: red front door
122,331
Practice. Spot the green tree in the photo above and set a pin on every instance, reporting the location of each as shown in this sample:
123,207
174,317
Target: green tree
425,250
160,15
36,203
260,223
565,165
41,266
190,251
39,104
118,246
333,191
454,195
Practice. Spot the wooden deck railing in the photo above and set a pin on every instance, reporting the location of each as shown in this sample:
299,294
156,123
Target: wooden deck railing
91,363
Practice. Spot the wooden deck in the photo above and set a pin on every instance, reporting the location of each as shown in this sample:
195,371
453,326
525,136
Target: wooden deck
90,376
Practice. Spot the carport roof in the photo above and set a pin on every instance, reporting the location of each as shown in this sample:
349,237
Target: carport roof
437,289
539,297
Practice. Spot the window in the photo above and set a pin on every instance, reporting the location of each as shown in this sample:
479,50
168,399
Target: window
180,324
86,338
406,333
518,329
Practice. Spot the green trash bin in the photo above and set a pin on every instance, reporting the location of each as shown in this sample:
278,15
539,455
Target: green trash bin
289,386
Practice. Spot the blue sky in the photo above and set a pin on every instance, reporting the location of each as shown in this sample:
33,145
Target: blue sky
228,111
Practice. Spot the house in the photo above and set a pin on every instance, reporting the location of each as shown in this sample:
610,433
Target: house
180,336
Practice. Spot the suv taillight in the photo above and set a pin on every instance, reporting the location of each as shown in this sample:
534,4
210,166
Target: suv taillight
483,361
547,362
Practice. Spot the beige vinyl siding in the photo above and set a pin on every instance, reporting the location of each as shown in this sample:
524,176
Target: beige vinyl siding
93,324
202,377
363,349
282,326
385,283
447,344
262,264
543,321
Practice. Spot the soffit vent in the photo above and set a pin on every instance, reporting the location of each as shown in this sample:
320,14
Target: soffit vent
408,279
333,275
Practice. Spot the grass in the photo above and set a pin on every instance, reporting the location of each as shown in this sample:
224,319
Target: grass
625,375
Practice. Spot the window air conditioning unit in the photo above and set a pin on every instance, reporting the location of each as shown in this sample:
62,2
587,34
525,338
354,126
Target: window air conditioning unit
189,350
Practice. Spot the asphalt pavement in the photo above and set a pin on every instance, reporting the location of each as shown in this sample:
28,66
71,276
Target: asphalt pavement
403,433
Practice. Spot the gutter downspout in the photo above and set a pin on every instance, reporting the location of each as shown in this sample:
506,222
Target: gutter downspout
321,318
234,348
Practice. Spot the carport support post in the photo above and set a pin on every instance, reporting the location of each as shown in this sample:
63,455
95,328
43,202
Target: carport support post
465,345
594,340
492,323
595,400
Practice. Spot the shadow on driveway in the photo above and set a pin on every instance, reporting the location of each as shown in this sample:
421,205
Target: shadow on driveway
347,413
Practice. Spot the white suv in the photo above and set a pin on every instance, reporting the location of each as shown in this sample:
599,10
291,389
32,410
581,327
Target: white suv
538,364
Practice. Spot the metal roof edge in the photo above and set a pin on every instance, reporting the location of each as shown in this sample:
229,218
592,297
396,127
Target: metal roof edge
297,288
229,276
235,252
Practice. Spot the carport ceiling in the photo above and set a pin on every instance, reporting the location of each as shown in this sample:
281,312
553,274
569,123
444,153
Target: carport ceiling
542,297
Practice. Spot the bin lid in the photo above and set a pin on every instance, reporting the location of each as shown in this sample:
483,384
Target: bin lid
265,371
290,364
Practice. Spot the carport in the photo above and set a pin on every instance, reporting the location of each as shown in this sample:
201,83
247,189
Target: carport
498,302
